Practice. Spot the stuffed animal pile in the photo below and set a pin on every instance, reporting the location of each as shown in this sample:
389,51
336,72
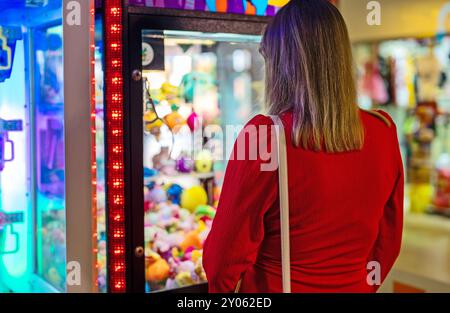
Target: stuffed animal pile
174,235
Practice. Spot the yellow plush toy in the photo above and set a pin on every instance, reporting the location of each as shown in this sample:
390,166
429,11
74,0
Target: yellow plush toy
152,123
184,279
196,255
204,162
192,197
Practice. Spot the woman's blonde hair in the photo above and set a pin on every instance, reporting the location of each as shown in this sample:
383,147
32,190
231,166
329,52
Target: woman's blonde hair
309,70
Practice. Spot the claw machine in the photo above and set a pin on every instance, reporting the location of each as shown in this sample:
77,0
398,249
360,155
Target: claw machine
42,202
181,78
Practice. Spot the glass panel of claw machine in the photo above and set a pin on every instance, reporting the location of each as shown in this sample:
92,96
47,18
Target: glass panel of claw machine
100,156
32,216
193,82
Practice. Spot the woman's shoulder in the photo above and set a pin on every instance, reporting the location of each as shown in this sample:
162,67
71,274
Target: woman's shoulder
259,120
379,124
256,128
378,117
266,120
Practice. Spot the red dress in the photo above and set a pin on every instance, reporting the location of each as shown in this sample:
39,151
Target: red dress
346,210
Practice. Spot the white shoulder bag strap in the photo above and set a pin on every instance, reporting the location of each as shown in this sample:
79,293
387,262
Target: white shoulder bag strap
284,203
284,206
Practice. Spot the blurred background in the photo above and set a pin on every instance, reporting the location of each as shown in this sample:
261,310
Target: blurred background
403,67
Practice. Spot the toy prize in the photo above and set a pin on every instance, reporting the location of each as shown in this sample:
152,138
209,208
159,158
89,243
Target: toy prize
204,162
192,197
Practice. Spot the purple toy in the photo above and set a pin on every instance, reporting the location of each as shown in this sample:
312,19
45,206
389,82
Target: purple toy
184,164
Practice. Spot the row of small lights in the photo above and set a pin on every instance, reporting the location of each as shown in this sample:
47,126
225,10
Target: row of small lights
114,141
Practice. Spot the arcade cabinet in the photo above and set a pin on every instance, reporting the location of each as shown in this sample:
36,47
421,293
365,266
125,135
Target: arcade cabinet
47,147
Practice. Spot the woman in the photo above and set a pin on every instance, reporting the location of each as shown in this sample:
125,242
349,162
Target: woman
345,172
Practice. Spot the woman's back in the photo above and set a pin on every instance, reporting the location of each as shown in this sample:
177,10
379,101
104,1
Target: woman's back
336,203
345,211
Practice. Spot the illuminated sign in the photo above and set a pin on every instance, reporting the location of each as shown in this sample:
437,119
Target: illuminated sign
8,38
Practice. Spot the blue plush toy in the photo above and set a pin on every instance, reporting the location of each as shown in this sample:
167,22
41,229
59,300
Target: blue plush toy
174,193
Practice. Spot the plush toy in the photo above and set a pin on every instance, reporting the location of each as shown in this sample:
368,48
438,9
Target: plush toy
193,121
148,200
174,120
152,123
185,214
205,211
196,255
373,84
157,195
186,266
174,193
201,227
169,93
102,247
442,197
193,197
54,277
163,163
184,164
171,284
216,196
198,81
187,220
192,239
159,159
199,271
168,210
421,195
176,253
148,206
184,279
429,71
102,282
157,270
204,162
150,172
150,219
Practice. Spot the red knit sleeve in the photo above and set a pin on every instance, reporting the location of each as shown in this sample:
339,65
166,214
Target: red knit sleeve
387,245
247,193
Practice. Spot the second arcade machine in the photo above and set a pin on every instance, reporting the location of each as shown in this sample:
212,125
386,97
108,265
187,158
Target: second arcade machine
32,208
47,165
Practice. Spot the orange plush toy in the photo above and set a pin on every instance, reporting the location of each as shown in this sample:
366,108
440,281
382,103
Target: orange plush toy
192,239
157,269
174,121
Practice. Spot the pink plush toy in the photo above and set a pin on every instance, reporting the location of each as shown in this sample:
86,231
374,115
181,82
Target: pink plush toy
193,121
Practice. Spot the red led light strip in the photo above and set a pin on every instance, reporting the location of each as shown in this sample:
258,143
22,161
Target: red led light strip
114,142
